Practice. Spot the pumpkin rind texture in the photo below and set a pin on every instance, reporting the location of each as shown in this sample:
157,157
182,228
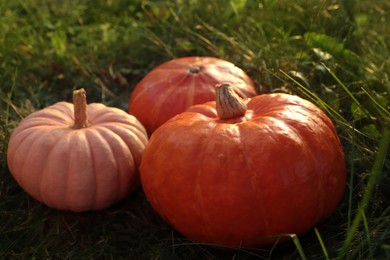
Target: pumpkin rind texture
279,169
173,86
77,169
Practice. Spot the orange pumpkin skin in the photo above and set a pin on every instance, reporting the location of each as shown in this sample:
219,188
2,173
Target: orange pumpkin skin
279,169
173,86
77,169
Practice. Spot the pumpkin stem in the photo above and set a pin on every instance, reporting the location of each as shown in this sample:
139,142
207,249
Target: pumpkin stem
80,109
228,103
194,69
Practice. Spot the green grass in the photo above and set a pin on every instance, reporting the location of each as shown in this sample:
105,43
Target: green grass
334,53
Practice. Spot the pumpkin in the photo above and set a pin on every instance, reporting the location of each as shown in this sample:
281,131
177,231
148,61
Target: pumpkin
173,86
244,172
77,157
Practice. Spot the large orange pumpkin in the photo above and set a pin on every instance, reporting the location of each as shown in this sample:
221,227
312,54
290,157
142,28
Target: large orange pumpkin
77,157
240,172
172,87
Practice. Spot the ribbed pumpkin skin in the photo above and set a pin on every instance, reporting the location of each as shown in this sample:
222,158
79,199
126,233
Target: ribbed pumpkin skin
77,169
172,87
277,170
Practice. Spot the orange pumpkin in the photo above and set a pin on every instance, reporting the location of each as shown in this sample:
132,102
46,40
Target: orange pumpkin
240,172
173,86
77,157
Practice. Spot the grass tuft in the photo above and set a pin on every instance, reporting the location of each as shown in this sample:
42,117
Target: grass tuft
373,180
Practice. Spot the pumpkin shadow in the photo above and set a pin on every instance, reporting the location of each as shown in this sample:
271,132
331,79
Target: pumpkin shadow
129,229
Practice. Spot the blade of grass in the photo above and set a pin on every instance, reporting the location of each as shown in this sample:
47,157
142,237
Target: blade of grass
298,246
317,17
326,255
351,177
9,97
310,94
379,106
342,85
4,117
375,173
337,116
368,237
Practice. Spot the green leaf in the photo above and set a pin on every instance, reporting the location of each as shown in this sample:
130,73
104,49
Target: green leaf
358,112
331,97
328,47
58,41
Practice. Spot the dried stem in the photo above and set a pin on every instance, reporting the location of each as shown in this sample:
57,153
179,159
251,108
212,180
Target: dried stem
80,109
229,104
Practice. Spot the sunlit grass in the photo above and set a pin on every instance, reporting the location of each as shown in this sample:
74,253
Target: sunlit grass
333,53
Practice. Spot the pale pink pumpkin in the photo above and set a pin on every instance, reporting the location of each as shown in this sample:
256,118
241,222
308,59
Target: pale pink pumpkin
77,157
